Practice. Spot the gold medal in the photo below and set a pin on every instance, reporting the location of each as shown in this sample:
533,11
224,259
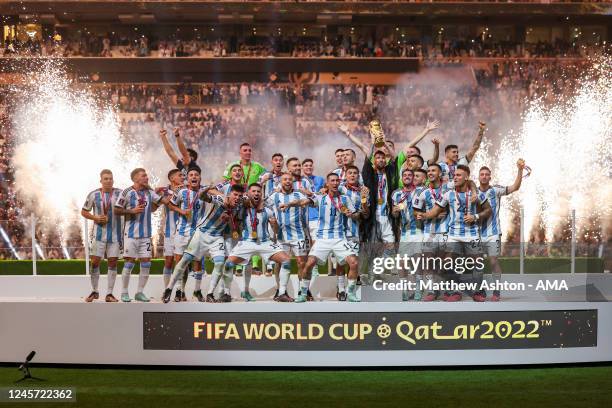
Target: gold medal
235,235
364,200
342,208
380,201
254,234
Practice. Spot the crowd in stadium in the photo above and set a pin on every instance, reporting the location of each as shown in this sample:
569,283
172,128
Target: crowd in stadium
215,118
138,45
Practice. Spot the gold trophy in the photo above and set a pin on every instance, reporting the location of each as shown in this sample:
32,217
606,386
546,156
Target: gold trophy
376,133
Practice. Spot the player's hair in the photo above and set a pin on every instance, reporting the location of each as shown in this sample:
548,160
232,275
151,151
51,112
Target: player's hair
338,150
392,142
379,152
234,166
407,170
420,171
192,154
330,175
244,144
484,168
135,172
238,188
307,160
436,165
277,155
291,159
352,168
352,152
195,168
254,185
172,172
418,157
449,147
417,149
105,171
464,168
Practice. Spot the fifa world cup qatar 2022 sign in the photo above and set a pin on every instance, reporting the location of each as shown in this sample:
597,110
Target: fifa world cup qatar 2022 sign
370,331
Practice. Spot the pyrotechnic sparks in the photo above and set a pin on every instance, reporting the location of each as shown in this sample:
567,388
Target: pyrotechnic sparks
64,137
569,146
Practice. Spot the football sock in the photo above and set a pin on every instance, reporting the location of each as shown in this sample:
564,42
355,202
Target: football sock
95,277
125,276
341,283
112,275
284,278
214,279
167,275
143,277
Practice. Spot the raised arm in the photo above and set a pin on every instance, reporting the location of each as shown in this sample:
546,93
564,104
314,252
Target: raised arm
353,139
430,126
163,134
182,148
436,153
520,164
476,145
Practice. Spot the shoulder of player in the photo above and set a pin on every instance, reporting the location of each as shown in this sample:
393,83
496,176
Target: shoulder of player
128,190
92,193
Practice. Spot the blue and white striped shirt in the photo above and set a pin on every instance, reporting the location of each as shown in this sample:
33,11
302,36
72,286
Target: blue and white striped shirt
409,224
270,184
332,222
449,170
459,205
171,217
187,198
103,204
257,221
211,221
352,226
491,226
292,222
317,183
138,225
425,200
382,189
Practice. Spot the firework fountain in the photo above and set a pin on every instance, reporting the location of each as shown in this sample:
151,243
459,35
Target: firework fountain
568,144
64,137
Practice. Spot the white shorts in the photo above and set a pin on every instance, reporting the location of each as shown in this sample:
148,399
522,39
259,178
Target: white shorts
434,243
246,250
354,243
491,246
230,243
169,245
386,230
138,248
340,247
313,226
99,248
463,245
180,243
202,244
297,247
411,245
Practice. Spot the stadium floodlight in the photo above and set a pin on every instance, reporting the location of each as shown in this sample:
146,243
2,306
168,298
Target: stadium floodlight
25,369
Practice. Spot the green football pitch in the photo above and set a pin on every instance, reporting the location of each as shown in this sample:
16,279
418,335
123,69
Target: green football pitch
510,387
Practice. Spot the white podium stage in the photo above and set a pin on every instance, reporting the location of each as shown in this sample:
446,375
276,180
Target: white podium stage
47,314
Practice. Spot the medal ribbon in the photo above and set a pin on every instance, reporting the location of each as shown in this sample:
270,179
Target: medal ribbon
254,220
381,183
105,203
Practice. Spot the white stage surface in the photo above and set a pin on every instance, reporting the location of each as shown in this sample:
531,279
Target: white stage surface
47,314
